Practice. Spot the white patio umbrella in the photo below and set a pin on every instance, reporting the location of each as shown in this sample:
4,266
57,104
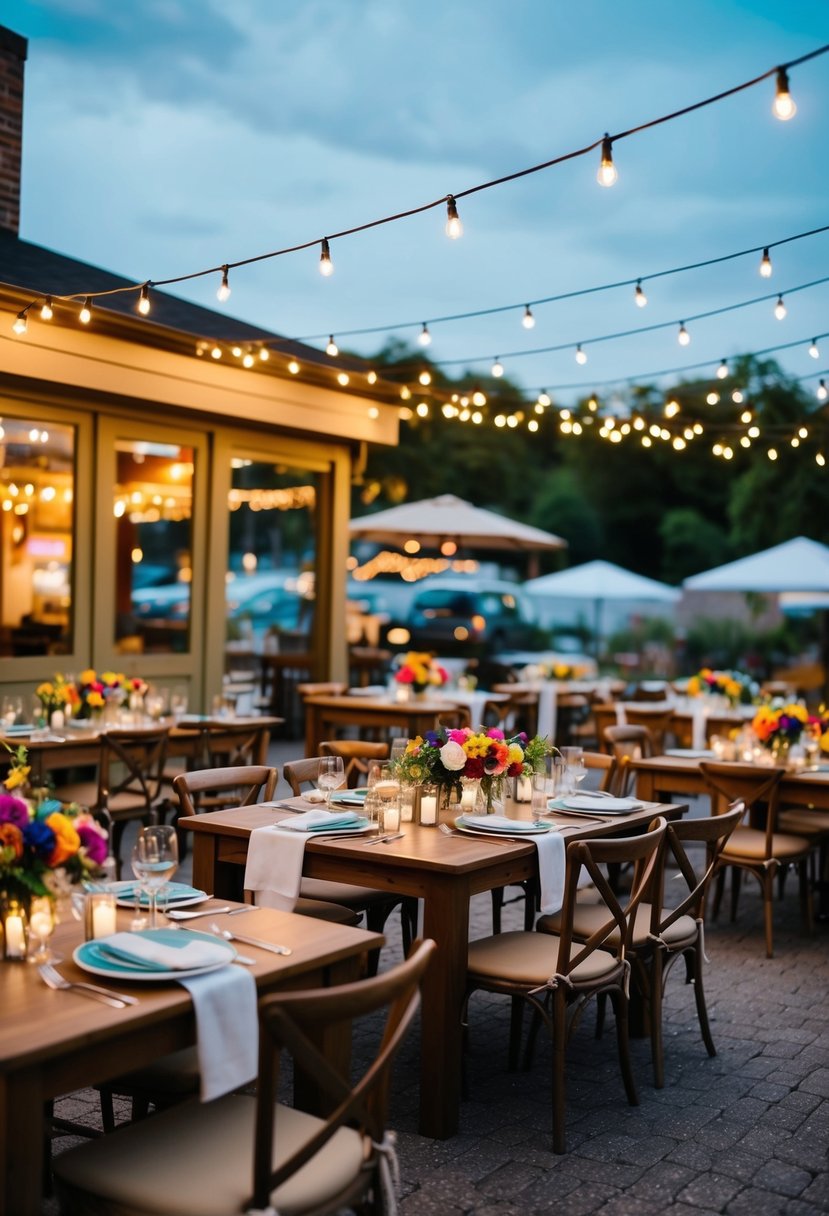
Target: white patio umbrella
795,565
447,518
598,582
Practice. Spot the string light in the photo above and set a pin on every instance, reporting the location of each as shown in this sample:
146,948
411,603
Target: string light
544,398
248,359
372,377
424,338
264,354
765,265
780,309
293,367
581,357
425,377
820,459
216,352
783,106
46,312
683,337
814,350
722,370
223,292
343,378
85,315
21,323
332,349
326,265
639,295
822,392
772,453
528,320
497,368
454,227
144,300
713,398
607,174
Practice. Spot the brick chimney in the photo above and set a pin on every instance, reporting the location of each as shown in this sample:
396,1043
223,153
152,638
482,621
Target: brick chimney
13,51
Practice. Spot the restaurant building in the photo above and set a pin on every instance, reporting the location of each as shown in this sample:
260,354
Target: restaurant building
168,481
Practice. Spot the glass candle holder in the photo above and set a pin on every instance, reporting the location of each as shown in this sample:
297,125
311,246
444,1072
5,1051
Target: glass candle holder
15,931
99,915
428,800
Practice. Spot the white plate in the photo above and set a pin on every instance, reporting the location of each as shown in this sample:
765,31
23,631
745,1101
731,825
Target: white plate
175,901
90,957
690,753
595,806
358,831
534,830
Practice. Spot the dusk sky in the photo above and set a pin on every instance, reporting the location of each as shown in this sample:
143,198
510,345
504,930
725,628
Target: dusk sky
166,136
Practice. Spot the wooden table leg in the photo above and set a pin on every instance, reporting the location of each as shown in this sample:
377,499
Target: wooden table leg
446,919
21,1117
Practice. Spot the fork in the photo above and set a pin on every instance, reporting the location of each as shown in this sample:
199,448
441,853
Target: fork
447,831
53,979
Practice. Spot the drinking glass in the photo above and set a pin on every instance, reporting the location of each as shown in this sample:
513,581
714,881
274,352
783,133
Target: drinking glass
385,787
540,794
41,928
398,747
331,775
12,712
155,860
574,770
178,703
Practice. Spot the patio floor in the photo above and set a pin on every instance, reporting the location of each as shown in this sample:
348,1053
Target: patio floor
747,1131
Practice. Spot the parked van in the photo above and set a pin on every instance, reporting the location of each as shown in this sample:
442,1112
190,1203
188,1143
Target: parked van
459,614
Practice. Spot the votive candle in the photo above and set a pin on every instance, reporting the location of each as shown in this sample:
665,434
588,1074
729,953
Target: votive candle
428,809
15,936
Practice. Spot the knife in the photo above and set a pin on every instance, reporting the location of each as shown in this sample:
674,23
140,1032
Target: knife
257,941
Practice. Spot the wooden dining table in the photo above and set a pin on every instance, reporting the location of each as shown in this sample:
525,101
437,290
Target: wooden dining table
667,776
53,1043
445,872
325,715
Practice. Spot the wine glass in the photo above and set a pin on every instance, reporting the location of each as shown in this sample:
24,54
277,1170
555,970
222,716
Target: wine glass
41,928
330,775
155,860
574,770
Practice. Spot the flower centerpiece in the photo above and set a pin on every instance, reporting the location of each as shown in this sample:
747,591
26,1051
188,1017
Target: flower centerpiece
778,727
55,696
45,846
93,693
449,757
564,671
420,671
737,687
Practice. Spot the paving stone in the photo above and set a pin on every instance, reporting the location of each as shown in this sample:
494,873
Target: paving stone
662,1182
756,1202
816,1083
787,1179
709,1191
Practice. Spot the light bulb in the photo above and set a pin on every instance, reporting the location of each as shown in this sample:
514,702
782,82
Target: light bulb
332,349
544,398
607,174
372,377
683,337
425,377
454,227
264,354
144,300
737,397
343,378
820,459
780,309
822,391
21,323
424,338
783,106
293,367
326,265
85,315
216,352
639,295
248,359
581,357
713,398
46,313
765,265
528,320
813,349
722,370
497,368
224,287
478,398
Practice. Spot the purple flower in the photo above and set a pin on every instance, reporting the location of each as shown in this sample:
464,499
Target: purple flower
13,810
93,843
40,838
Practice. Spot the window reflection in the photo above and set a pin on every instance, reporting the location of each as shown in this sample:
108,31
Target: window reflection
272,555
153,507
37,484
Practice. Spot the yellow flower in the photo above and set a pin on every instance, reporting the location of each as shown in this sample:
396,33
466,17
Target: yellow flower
95,700
516,754
67,840
797,711
694,686
17,776
111,677
89,676
45,690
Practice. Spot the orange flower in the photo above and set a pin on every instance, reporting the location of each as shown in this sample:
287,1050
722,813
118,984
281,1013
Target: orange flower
67,840
11,837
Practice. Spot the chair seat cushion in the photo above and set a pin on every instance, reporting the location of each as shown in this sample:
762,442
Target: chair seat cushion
338,913
344,893
590,917
750,843
199,1159
530,958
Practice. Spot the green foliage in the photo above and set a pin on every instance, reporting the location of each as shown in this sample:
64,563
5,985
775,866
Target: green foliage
690,543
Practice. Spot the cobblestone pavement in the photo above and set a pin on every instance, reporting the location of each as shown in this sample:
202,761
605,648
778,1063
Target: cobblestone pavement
744,1132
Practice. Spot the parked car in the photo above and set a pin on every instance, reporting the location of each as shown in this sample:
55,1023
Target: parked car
462,616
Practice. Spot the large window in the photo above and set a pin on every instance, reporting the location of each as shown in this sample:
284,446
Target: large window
153,506
37,489
271,577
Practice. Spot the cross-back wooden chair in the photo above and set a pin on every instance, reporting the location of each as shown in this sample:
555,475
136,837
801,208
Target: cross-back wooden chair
756,846
377,905
225,743
625,744
604,716
666,930
247,1151
523,705
657,719
556,975
357,755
